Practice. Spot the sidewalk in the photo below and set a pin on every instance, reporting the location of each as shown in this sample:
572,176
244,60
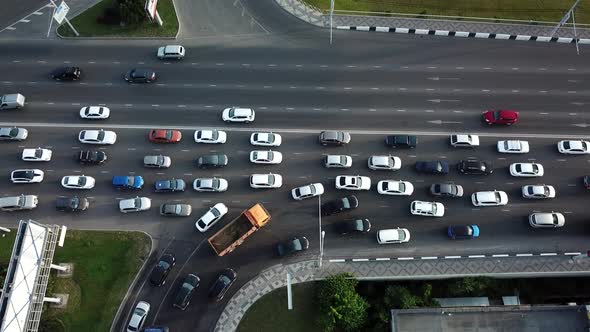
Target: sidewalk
396,269
373,23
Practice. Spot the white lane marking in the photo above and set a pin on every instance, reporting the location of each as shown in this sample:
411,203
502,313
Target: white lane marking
428,257
452,257
548,254
571,69
382,259
572,114
561,160
104,172
571,184
500,255
572,253
372,110
524,255
360,259
476,256
405,258
337,260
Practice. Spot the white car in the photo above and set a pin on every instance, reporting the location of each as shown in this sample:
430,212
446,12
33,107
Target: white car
171,52
395,187
266,157
238,114
308,191
211,217
78,182
139,317
396,235
266,139
97,137
264,181
538,191
95,112
489,198
158,161
210,136
526,170
135,204
13,134
573,147
27,176
464,140
38,154
353,182
513,146
337,161
213,184
390,163
546,220
427,209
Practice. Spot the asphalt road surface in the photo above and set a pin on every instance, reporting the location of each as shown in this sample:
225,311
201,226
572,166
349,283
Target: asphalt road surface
368,84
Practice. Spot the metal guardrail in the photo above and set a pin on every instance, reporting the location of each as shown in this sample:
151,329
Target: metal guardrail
446,17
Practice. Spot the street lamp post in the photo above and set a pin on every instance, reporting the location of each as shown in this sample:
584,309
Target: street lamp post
321,232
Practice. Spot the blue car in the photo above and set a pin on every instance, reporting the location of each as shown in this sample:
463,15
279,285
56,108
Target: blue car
171,185
128,182
457,232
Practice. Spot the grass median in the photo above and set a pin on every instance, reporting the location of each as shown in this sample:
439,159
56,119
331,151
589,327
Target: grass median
270,313
105,263
86,24
535,10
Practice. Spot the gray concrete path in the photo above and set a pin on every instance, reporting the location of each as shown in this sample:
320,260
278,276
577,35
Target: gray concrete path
415,269
317,17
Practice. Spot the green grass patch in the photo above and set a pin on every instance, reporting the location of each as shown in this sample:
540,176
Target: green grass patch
86,24
105,263
536,10
270,313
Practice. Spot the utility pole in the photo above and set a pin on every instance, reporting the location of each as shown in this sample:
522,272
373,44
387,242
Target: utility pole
321,233
331,14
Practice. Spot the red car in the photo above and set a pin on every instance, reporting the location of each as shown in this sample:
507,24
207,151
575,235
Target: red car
165,136
504,117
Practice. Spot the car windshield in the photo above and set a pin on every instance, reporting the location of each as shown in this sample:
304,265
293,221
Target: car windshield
271,179
401,235
438,167
402,187
81,181
497,115
74,202
164,265
38,153
215,212
13,131
137,202
232,112
100,135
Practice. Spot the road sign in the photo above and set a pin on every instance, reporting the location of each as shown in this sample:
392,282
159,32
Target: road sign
61,12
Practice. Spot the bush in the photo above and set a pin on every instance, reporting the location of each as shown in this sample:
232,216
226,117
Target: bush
110,16
132,11
340,305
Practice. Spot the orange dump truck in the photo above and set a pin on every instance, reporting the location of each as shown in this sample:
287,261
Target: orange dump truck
237,230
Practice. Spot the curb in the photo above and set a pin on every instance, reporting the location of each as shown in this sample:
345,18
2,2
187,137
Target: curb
465,34
426,258
133,283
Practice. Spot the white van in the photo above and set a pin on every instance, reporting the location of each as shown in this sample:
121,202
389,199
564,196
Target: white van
17,203
12,101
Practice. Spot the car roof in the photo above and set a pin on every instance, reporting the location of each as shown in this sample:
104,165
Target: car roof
389,234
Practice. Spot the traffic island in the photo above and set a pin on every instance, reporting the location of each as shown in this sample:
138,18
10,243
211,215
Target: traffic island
103,21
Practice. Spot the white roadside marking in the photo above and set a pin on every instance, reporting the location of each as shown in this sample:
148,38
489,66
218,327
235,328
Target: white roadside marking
548,254
572,253
500,255
383,259
524,255
452,257
337,260
428,258
476,256
360,259
405,258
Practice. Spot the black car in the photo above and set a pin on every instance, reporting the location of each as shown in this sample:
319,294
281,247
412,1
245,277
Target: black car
353,226
292,246
401,141
212,161
340,205
334,138
140,76
66,74
222,284
162,269
433,167
446,190
185,292
92,157
71,204
475,167
171,185
586,181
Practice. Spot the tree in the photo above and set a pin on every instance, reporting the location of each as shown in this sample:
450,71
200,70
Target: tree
340,305
132,11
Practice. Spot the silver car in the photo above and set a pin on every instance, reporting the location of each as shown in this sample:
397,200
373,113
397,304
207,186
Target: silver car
546,220
175,210
13,134
159,161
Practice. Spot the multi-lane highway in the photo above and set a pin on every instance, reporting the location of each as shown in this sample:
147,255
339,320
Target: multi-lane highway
369,85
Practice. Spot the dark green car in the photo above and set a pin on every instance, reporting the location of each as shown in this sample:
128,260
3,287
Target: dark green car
186,290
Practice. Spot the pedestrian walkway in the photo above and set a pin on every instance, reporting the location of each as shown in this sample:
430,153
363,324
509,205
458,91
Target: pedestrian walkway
394,269
410,24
